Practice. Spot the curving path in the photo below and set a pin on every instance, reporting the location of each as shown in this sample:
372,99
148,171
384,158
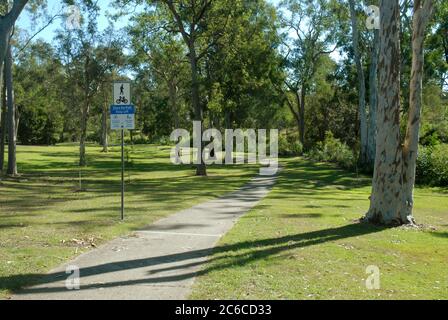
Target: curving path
159,262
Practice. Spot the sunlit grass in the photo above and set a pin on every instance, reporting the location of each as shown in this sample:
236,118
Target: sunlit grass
53,211
303,242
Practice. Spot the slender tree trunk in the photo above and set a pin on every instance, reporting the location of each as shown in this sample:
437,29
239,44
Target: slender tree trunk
422,13
361,85
385,200
373,101
302,115
83,137
104,135
6,24
228,119
17,121
172,91
201,169
295,113
3,124
3,9
12,164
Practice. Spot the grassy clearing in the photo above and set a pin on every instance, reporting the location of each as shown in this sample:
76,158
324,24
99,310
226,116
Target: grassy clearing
47,218
302,242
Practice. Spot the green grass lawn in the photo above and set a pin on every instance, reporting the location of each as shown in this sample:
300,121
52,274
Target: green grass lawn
46,217
303,242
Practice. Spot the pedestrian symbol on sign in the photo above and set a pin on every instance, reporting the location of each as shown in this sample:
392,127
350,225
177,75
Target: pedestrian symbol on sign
122,93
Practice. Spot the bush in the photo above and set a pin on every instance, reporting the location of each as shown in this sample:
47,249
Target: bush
333,150
432,165
162,141
289,146
140,139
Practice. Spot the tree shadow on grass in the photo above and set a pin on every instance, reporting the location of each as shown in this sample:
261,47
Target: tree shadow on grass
221,257
440,234
306,175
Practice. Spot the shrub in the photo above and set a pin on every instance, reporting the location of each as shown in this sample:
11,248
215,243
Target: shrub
432,165
141,139
333,150
289,146
162,141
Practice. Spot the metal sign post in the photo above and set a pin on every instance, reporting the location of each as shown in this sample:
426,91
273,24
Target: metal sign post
122,115
122,174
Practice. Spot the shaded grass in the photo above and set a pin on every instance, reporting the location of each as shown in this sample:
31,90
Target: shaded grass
47,216
303,242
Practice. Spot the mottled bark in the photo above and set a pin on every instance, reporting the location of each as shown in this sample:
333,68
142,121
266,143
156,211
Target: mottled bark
391,202
385,200
361,86
422,13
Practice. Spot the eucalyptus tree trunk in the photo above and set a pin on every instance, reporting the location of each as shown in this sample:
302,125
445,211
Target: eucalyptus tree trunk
422,13
7,22
3,125
391,201
385,200
373,101
12,163
361,85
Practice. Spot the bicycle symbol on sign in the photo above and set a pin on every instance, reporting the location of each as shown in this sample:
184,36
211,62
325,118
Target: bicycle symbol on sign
122,98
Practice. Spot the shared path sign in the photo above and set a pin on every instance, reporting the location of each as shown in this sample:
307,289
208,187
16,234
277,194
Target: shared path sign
122,117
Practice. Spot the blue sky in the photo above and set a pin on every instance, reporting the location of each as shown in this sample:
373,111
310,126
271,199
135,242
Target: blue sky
25,22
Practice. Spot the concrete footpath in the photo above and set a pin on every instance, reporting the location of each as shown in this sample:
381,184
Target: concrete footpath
159,262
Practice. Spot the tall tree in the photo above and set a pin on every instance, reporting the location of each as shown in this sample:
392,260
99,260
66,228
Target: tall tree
12,132
242,68
312,24
3,112
422,13
164,58
188,17
88,65
7,21
391,201
373,100
361,86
